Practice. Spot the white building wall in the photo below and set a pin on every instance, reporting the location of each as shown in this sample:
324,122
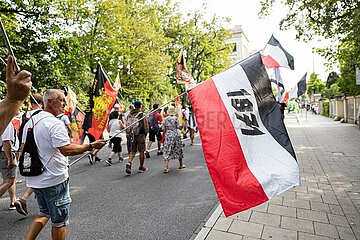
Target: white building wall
240,40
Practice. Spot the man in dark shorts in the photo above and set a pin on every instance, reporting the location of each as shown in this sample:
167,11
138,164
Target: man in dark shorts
154,121
138,140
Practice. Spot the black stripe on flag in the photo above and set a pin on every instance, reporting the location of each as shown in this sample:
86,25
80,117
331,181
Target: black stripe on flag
268,110
301,86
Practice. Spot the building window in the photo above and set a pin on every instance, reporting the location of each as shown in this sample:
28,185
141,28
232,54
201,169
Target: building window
232,47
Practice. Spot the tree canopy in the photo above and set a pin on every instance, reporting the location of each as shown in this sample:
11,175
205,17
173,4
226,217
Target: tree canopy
61,42
315,85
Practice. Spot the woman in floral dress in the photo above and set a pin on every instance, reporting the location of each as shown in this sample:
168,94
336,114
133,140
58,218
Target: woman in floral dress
172,144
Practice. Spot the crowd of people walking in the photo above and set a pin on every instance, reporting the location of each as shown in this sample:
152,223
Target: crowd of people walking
54,145
45,123
161,126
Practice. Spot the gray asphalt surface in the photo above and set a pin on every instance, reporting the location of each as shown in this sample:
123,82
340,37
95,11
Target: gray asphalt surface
107,204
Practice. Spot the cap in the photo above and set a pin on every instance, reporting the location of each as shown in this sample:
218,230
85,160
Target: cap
137,104
116,105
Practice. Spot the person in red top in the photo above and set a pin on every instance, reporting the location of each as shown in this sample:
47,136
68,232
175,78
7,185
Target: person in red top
155,121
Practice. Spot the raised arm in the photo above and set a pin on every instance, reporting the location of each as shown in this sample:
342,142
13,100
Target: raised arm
18,88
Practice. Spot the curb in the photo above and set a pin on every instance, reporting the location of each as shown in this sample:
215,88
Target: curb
204,228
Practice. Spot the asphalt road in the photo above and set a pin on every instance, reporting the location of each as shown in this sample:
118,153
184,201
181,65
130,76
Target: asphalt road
107,204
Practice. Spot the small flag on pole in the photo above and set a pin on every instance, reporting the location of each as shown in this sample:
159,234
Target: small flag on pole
71,101
182,74
246,146
299,89
117,83
274,55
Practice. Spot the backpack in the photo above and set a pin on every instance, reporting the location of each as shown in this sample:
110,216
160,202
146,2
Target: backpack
24,120
29,162
152,124
133,125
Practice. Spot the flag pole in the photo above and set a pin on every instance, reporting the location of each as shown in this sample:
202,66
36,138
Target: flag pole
3,61
306,109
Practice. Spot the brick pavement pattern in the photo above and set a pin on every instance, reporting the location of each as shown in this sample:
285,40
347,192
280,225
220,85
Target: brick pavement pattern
326,206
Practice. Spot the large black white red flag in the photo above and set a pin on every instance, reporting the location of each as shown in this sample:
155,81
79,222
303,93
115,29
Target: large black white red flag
246,146
274,55
102,99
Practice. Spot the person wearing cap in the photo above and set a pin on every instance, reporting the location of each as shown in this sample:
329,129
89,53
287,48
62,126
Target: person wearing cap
116,109
172,144
138,140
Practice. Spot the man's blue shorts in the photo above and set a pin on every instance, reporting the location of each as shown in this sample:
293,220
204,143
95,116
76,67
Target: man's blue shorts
54,203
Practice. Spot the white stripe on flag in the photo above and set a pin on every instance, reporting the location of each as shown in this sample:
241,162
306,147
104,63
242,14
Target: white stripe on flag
293,92
276,54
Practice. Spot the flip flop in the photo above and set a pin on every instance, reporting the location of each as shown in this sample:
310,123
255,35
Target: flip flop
166,170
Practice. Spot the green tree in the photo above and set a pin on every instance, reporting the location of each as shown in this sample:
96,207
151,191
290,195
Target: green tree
331,92
204,41
35,29
326,18
331,79
315,85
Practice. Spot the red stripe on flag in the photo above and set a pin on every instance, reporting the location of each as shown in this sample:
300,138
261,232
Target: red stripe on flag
269,62
235,185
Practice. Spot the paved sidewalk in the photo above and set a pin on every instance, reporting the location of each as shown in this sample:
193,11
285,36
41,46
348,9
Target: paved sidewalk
326,206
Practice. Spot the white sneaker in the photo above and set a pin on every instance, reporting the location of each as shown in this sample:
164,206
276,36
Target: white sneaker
12,207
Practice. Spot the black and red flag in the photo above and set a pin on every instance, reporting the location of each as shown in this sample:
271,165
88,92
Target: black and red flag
102,99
